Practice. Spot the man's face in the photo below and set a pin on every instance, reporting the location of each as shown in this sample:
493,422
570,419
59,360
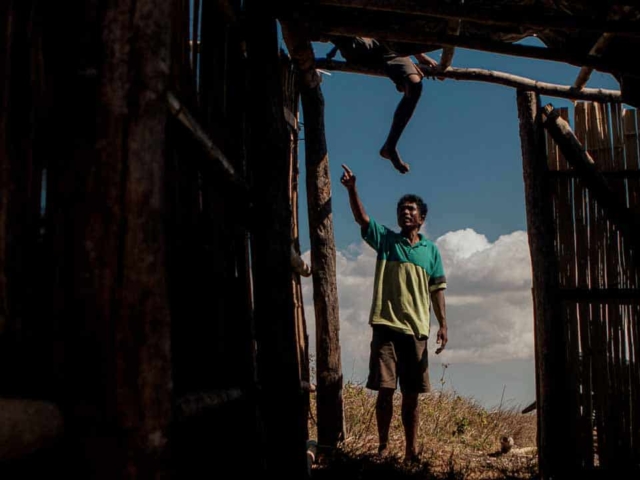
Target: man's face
409,216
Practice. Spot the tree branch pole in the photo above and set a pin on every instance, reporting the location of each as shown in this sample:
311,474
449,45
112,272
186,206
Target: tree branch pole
597,50
489,76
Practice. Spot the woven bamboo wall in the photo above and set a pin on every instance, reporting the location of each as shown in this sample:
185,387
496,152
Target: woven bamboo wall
600,288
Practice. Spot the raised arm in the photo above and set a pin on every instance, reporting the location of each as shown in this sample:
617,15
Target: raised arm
348,179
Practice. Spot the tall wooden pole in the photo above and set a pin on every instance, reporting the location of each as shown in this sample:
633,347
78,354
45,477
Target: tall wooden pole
323,261
549,331
323,251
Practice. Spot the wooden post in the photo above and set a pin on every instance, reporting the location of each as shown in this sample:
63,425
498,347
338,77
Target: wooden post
323,261
576,155
323,250
282,399
549,331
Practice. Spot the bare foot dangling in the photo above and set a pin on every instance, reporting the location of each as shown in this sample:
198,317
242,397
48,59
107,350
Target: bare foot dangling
393,155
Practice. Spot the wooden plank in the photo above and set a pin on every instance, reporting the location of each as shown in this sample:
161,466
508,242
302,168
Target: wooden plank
487,76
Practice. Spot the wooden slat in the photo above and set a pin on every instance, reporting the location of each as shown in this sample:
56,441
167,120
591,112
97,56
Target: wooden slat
583,315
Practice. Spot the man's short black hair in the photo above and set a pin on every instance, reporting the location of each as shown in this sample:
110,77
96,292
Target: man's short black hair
412,198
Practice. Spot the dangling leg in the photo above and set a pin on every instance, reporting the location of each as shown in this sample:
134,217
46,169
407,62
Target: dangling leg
404,112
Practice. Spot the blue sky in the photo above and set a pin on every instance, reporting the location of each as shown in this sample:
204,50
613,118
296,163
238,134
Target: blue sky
464,150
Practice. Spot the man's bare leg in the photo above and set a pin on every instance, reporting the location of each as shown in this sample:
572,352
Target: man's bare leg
384,412
404,112
410,417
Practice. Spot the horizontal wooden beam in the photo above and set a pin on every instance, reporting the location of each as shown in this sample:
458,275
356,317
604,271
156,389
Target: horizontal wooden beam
600,295
500,14
182,114
488,76
417,32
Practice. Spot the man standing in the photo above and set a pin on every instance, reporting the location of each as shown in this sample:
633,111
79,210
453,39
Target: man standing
401,70
409,277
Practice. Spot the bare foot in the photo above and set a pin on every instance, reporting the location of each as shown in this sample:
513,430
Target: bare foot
383,450
394,157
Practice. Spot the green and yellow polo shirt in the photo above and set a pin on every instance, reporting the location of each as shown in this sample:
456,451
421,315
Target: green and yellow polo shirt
405,276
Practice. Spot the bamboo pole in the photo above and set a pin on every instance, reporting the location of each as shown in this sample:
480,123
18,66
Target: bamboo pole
500,14
574,152
549,329
597,50
488,76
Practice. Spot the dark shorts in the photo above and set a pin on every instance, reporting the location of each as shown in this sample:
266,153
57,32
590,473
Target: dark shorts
398,356
399,68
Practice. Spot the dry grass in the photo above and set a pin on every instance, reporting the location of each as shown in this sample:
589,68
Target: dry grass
458,439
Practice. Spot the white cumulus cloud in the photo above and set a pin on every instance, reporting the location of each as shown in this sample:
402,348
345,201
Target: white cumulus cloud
489,304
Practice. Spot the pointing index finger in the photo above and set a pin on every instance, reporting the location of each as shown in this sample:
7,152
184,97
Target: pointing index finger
346,169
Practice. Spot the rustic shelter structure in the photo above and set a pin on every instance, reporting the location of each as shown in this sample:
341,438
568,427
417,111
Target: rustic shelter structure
150,307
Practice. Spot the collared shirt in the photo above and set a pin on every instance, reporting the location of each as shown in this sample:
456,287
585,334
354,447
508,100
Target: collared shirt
405,276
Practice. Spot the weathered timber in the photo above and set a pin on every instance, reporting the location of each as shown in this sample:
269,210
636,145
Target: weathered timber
281,399
323,258
576,155
549,331
585,72
487,76
417,32
113,339
500,14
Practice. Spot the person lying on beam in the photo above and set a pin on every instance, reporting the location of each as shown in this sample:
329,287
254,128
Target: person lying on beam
396,62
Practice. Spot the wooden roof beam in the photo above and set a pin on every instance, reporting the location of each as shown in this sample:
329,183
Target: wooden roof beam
500,14
489,76
415,32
